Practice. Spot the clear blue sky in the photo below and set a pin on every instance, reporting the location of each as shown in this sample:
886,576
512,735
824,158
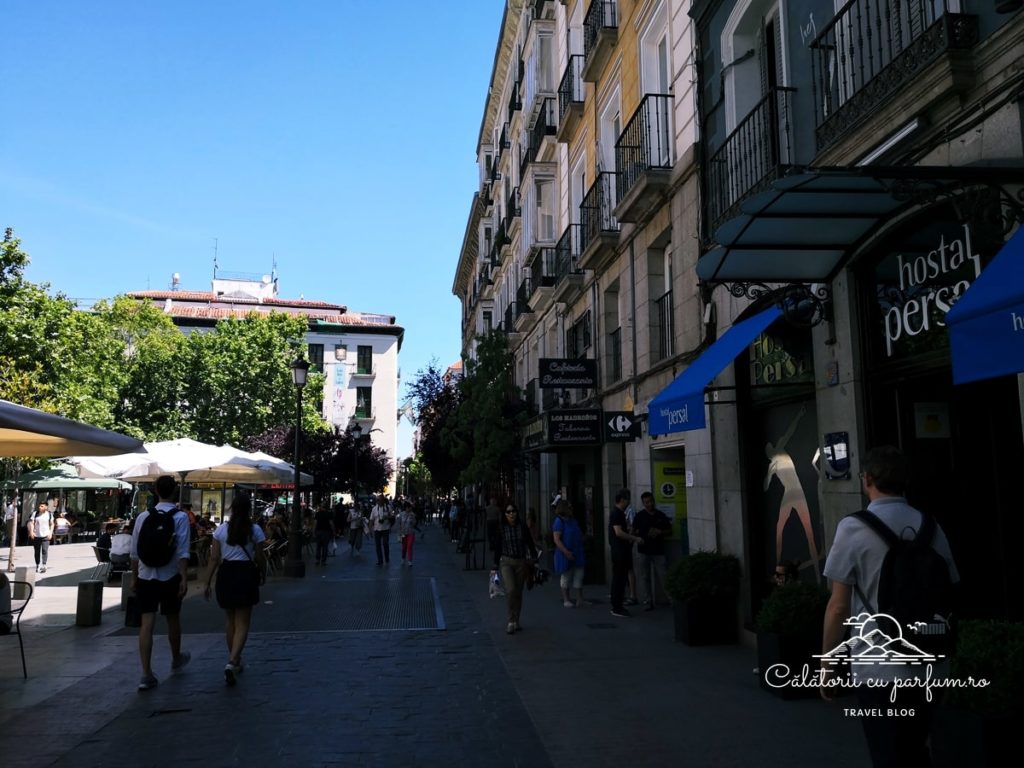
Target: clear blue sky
335,135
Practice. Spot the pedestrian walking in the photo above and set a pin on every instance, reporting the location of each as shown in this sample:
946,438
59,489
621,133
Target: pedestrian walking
407,527
40,533
515,559
160,550
381,520
238,560
356,522
323,533
862,573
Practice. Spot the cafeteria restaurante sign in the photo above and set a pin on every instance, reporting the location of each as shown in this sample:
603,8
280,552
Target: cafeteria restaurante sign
568,374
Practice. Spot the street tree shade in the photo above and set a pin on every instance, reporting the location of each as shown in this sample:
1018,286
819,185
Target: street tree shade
28,432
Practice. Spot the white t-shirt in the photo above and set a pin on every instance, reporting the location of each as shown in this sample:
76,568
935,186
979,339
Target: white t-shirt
232,552
121,544
182,542
39,525
379,518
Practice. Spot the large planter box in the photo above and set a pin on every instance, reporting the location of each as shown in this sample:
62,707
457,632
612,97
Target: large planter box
794,651
705,621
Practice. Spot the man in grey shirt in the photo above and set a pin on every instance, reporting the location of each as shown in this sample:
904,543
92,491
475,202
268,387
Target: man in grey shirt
854,566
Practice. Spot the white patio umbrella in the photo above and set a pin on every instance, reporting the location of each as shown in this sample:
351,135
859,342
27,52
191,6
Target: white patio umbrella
191,461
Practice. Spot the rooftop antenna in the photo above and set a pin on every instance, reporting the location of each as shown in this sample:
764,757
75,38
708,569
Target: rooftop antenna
273,267
215,244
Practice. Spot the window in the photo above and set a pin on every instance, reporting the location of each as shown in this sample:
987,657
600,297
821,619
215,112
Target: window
578,337
316,357
488,321
545,194
364,402
545,65
364,359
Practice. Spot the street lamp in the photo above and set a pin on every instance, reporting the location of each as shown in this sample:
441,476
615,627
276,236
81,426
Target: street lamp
294,565
357,432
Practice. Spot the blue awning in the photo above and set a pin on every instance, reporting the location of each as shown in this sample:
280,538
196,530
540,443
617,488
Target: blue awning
986,325
679,407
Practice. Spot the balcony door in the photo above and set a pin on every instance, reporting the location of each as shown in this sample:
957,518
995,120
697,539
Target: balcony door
655,71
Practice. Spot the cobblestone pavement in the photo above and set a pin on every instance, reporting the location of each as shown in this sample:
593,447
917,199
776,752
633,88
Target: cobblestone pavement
359,665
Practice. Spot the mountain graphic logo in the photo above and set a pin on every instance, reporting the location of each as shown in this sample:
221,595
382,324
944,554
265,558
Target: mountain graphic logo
877,639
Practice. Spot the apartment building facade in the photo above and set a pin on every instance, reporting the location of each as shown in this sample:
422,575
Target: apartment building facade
356,351
861,171
581,244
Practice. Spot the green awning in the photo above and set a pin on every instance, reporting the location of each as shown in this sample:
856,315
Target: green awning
63,477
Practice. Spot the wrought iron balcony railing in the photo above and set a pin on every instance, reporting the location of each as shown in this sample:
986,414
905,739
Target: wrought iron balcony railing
546,125
597,211
570,89
515,99
872,49
646,142
567,253
666,327
512,209
600,15
523,297
757,152
530,395
542,269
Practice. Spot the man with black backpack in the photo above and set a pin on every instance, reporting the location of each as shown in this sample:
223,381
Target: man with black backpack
160,551
892,570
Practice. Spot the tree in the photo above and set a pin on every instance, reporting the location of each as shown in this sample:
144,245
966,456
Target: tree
239,379
483,431
435,398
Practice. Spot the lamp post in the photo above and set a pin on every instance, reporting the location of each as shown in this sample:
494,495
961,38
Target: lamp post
357,432
294,565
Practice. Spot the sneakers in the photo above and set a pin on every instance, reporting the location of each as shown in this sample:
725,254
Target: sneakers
231,672
568,604
148,683
181,662
42,569
622,613
630,601
510,629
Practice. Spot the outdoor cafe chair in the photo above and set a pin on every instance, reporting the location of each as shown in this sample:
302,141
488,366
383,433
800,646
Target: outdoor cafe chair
102,568
17,608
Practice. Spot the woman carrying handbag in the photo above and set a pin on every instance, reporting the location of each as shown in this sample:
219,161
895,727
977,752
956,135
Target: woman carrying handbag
237,559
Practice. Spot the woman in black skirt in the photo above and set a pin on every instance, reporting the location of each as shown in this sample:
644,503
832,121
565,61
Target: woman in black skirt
236,557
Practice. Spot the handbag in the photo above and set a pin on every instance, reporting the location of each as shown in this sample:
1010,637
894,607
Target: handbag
261,576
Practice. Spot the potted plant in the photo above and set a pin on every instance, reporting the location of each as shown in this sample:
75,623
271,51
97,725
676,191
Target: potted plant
789,627
977,725
704,588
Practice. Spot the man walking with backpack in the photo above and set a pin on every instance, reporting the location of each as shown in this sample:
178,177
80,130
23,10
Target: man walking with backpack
894,564
160,550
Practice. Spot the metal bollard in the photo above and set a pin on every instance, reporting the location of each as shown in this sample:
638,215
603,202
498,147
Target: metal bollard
90,603
126,588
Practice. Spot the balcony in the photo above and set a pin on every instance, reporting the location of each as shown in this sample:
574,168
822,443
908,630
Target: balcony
600,33
542,135
513,214
368,372
542,278
568,274
515,99
643,158
613,350
663,346
512,313
756,153
544,9
599,229
499,243
570,99
525,316
871,51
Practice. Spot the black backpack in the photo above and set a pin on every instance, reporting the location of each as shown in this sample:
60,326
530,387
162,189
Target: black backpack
156,538
914,586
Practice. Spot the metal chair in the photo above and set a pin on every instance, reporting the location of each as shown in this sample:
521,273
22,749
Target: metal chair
102,569
17,608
